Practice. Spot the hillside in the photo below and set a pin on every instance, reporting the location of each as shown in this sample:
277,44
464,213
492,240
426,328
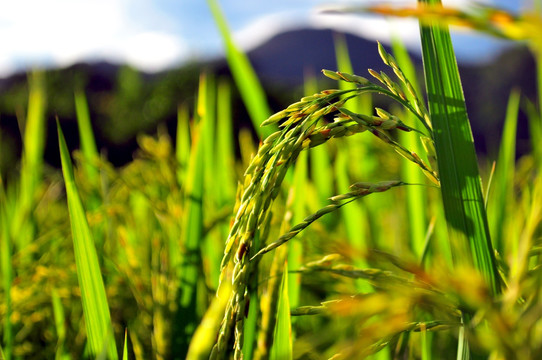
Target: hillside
124,101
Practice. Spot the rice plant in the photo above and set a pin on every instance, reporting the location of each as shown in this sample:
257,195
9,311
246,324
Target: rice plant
416,259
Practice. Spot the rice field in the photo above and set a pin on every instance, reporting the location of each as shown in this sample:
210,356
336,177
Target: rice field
347,232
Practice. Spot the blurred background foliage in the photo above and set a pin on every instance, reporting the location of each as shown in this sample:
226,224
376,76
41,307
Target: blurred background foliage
124,101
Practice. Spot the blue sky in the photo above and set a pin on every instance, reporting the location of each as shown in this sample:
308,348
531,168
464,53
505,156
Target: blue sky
153,35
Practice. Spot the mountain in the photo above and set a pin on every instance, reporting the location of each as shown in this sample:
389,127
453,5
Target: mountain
286,57
124,102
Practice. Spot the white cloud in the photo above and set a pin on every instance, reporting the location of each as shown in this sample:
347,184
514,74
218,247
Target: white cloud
141,49
145,33
265,27
62,32
378,27
371,27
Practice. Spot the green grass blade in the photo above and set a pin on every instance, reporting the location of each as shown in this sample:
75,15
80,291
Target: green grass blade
460,179
34,138
355,215
32,162
503,188
416,199
535,131
7,278
192,234
182,143
95,308
425,344
321,171
225,169
353,218
60,325
244,75
295,247
125,347
212,246
86,135
282,342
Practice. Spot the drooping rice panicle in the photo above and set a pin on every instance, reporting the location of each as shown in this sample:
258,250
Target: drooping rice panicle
301,128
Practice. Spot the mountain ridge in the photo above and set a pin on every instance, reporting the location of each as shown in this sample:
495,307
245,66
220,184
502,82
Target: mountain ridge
282,63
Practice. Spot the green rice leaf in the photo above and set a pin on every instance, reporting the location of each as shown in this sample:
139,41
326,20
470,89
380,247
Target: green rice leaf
212,172
125,347
182,146
282,342
192,238
31,163
224,145
295,248
95,308
416,199
7,278
244,75
34,138
60,324
88,144
459,175
504,173
535,131
321,171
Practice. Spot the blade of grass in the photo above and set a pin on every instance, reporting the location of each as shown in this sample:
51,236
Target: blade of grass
95,308
224,146
86,135
268,303
32,162
244,75
321,171
416,196
212,245
192,237
355,215
34,139
60,325
7,279
460,180
182,144
416,199
125,347
295,247
282,342
535,131
503,187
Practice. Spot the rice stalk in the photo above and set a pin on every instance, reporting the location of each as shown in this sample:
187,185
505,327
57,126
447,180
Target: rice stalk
7,277
282,341
192,236
244,75
268,305
86,135
504,176
300,129
93,297
182,143
22,227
